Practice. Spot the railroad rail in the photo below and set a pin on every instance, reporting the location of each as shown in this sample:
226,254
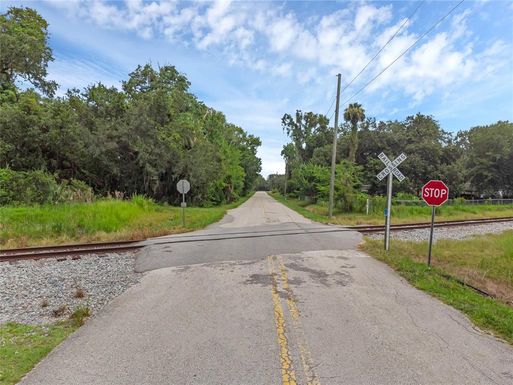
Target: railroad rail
414,226
75,251
65,251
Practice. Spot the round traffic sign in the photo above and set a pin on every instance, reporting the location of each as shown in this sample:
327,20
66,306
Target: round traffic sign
435,192
183,186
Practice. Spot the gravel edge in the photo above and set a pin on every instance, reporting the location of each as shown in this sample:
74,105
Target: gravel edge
47,290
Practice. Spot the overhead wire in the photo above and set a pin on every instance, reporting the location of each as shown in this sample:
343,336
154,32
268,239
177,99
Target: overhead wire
373,58
334,97
385,45
331,116
404,52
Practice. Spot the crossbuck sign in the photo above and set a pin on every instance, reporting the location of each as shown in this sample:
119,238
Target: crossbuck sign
391,167
389,170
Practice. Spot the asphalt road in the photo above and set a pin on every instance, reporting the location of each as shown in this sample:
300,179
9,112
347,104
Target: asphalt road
258,228
264,305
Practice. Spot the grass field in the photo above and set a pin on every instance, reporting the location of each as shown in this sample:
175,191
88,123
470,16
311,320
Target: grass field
102,220
23,346
485,261
400,214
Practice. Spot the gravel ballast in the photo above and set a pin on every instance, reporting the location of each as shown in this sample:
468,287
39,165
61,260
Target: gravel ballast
31,291
459,232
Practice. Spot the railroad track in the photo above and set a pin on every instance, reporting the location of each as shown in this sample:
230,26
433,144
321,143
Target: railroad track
75,251
65,251
414,226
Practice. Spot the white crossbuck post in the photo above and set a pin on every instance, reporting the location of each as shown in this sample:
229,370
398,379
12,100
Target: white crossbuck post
390,169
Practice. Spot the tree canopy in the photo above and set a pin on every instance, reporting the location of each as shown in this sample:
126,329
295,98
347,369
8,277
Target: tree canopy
24,50
140,139
474,163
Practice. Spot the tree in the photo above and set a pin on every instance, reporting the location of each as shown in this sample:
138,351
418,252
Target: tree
275,182
252,165
307,131
138,140
24,50
289,154
312,181
490,158
354,114
419,137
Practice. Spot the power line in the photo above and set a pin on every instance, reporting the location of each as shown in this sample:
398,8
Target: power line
374,57
331,116
385,45
332,102
407,49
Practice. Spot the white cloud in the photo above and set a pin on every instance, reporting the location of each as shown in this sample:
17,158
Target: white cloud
367,15
264,37
272,162
282,69
459,24
436,63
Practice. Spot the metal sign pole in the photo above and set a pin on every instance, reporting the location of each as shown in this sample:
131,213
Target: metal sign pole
433,209
434,193
183,186
183,210
389,209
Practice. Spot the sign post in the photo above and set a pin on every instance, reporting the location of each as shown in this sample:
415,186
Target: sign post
434,193
433,210
391,170
183,186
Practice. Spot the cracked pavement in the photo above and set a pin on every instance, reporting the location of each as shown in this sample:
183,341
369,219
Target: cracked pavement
273,300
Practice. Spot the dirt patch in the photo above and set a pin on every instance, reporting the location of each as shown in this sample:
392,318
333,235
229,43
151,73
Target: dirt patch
498,289
258,279
338,278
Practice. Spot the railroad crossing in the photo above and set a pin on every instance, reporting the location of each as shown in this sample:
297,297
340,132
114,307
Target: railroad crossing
313,311
389,170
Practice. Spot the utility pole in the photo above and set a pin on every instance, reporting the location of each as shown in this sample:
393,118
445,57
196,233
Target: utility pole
334,150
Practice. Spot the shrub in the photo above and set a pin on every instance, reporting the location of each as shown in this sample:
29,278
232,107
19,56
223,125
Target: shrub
74,190
143,202
38,187
347,187
404,196
27,187
311,181
79,315
458,201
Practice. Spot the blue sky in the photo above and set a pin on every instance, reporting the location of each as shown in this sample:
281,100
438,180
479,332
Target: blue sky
257,60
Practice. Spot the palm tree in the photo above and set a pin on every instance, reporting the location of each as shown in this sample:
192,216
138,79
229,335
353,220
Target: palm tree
354,114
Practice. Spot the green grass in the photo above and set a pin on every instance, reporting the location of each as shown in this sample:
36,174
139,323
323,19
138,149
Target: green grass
23,346
487,259
400,214
102,220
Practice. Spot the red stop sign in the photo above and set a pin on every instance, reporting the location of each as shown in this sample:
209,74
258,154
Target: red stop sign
435,192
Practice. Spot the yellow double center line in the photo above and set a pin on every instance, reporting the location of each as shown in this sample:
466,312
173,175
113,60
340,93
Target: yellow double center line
287,370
